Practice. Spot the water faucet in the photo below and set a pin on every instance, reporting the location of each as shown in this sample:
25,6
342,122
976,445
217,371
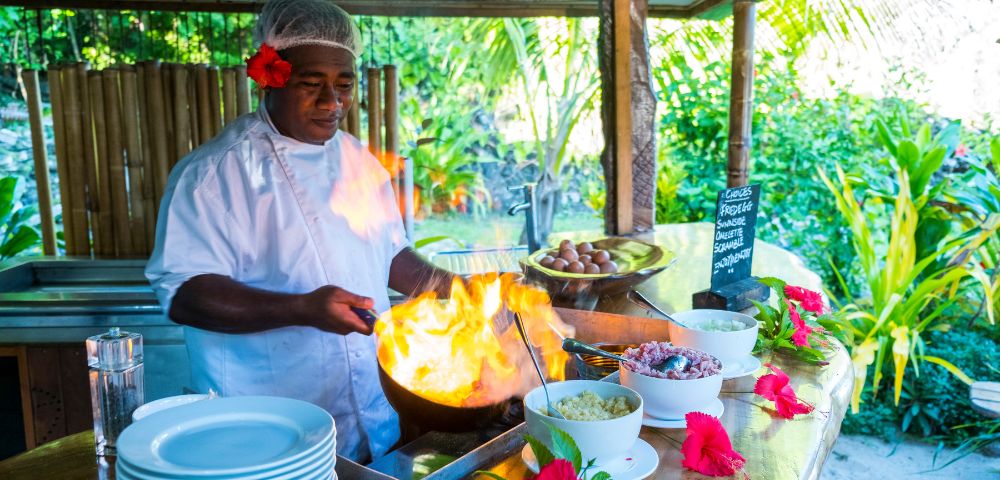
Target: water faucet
528,205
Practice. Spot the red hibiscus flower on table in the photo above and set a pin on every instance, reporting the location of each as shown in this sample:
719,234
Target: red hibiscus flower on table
802,331
775,387
267,68
707,449
558,469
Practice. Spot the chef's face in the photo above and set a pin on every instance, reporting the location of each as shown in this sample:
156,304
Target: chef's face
317,96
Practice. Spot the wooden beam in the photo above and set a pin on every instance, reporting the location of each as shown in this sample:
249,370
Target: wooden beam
401,8
623,115
741,98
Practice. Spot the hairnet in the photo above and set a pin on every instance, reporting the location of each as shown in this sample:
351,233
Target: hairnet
289,23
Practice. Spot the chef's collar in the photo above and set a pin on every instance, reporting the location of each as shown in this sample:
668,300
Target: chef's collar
266,118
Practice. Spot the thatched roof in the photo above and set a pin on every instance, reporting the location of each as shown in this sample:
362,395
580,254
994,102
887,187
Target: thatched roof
420,8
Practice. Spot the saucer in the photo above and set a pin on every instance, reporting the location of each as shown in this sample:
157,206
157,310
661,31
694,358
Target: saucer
714,409
742,368
638,462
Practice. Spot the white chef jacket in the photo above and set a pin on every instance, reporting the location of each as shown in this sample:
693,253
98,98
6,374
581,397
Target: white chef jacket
259,207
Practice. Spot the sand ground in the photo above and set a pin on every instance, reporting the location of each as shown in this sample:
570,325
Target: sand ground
856,457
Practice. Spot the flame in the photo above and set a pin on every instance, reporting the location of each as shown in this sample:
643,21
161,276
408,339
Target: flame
466,351
359,198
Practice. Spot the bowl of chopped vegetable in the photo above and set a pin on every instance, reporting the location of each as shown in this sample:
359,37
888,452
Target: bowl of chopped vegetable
728,336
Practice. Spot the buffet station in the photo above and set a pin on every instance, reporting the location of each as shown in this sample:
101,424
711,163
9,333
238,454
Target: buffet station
465,376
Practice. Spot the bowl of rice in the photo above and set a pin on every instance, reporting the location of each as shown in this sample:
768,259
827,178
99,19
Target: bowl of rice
603,418
728,336
671,395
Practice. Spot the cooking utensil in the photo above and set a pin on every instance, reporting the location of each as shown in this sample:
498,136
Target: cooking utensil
524,336
639,299
366,315
673,362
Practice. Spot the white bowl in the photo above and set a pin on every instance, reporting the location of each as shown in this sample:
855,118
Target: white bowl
728,347
602,440
669,399
165,403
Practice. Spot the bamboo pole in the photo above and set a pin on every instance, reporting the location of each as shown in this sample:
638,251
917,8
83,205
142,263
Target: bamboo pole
741,96
229,95
193,106
116,162
374,110
182,120
354,116
158,135
34,101
77,168
168,111
62,165
148,172
205,131
623,116
242,90
102,189
133,159
214,103
99,231
392,160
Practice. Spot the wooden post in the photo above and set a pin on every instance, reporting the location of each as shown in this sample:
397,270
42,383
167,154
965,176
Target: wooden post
205,128
98,230
133,160
116,163
392,159
741,98
73,117
214,103
148,171
182,119
242,91
34,101
354,115
623,116
62,167
157,136
228,95
102,190
193,106
374,110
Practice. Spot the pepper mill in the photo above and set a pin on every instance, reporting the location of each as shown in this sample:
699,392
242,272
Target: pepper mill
116,384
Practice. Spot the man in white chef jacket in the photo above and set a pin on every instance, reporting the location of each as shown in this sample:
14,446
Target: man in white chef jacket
271,231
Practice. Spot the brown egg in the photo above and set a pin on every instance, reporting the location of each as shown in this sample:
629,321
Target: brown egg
563,245
546,261
585,259
609,267
559,264
569,255
591,268
584,247
600,256
575,267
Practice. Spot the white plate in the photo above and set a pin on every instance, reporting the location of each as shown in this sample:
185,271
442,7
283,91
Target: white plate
742,368
226,436
165,403
315,470
714,409
640,461
291,470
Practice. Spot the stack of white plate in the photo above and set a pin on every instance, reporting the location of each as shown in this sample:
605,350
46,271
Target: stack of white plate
228,438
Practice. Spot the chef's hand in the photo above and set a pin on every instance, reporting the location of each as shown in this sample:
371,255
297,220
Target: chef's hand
329,308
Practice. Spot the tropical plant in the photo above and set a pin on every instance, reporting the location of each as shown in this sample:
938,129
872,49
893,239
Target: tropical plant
16,235
907,297
556,75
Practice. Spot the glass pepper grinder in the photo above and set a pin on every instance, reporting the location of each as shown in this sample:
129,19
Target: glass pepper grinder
116,384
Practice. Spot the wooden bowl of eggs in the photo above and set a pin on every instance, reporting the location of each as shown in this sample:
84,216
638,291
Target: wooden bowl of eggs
609,266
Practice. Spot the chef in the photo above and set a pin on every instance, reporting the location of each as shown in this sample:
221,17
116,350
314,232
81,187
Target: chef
271,232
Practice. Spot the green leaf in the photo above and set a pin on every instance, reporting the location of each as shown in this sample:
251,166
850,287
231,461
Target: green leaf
24,238
423,242
8,186
542,453
489,474
775,283
563,446
601,476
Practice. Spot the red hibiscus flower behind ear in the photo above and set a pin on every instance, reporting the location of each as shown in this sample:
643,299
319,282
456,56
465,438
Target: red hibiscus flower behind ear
809,299
558,469
707,449
267,68
775,387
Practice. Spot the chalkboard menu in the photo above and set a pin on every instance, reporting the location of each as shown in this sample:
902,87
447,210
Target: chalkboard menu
735,221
